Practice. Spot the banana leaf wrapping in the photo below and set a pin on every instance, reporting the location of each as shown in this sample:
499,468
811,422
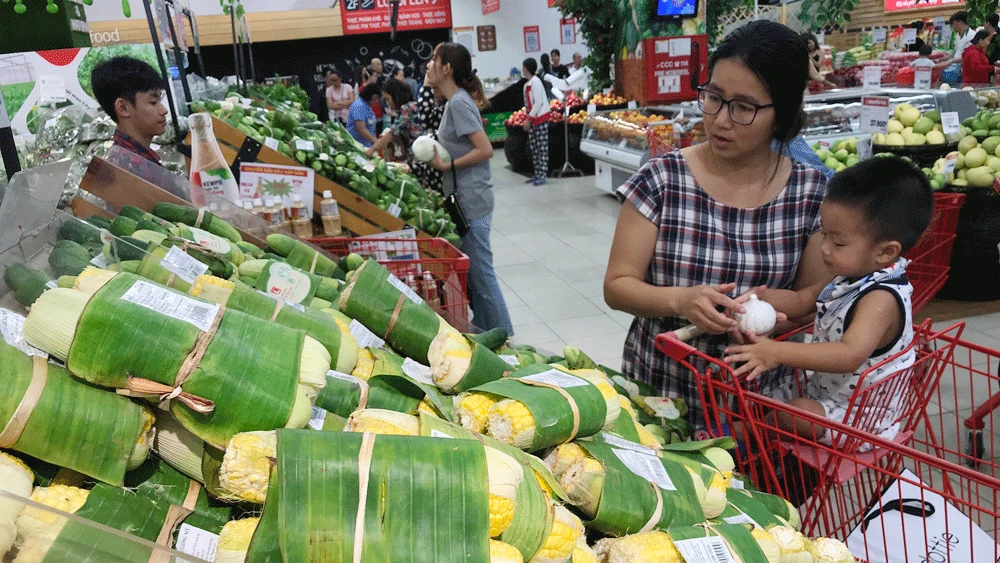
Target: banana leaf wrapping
74,425
309,259
141,510
532,515
629,501
150,268
552,411
434,507
287,282
742,508
345,394
381,306
737,539
484,367
250,368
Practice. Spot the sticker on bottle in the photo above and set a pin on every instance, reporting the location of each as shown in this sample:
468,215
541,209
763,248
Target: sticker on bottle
557,378
648,467
271,143
182,264
511,360
303,145
624,444
394,209
218,181
197,542
742,519
438,434
212,242
172,304
365,337
343,377
405,289
12,330
317,419
101,261
287,283
663,407
417,371
712,549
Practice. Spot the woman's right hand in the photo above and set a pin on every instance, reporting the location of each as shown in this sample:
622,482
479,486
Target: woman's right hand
699,304
527,126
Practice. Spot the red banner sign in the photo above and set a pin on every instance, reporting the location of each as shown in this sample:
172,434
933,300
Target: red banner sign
897,5
490,6
675,67
372,16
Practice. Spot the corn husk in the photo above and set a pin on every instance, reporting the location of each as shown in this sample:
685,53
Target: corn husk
73,424
459,362
342,394
437,509
741,507
737,537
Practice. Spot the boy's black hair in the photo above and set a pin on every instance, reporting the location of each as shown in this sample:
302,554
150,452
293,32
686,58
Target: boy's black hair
894,196
122,77
555,52
925,50
369,92
531,64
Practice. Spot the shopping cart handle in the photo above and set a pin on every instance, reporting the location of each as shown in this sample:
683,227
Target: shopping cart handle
670,343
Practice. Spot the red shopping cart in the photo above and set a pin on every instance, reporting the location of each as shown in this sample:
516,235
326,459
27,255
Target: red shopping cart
930,258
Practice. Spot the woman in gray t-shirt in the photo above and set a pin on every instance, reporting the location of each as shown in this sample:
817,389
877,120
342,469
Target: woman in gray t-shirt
468,175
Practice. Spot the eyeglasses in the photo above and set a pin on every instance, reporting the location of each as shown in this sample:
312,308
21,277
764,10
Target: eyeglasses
741,112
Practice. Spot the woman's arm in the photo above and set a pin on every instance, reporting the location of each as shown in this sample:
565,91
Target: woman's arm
362,128
381,143
625,288
482,150
330,104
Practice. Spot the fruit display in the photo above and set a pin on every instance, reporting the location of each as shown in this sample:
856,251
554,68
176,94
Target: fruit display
578,117
517,119
974,165
608,100
985,123
908,127
571,101
986,99
839,155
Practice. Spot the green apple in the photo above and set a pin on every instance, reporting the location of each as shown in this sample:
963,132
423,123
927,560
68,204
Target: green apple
990,144
975,158
923,125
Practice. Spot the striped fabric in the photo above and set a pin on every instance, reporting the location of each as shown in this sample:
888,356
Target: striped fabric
702,241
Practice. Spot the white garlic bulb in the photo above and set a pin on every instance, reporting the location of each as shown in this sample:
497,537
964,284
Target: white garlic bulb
759,317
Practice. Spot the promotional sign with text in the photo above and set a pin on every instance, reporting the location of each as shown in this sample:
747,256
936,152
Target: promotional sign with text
372,16
675,67
896,5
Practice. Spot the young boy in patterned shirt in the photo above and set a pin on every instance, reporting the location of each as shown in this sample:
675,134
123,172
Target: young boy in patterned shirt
872,214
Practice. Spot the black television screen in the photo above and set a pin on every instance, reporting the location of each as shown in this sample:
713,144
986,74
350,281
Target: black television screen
676,8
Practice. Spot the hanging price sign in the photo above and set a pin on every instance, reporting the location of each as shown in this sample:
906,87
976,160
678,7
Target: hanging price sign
874,114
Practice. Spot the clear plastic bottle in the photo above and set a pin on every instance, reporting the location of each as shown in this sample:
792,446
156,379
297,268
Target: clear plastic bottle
247,206
276,216
210,172
298,213
258,207
430,290
330,212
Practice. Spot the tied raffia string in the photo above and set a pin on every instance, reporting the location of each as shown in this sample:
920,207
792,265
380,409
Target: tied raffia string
278,304
364,474
395,315
12,430
139,387
657,514
201,217
175,515
312,267
572,403
364,388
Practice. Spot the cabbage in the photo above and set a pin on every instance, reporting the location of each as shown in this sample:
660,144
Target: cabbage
423,149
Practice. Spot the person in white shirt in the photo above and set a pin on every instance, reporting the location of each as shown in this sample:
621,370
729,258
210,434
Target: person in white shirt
536,104
959,22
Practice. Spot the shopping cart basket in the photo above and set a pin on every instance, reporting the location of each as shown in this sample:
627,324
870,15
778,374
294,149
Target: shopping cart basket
410,260
930,258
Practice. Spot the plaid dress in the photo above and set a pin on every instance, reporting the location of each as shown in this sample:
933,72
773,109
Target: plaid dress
702,241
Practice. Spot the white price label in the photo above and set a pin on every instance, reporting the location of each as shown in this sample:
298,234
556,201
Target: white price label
705,550
12,330
909,36
182,264
271,143
624,444
511,360
394,209
823,144
864,149
736,484
172,304
872,77
417,371
212,242
101,261
365,337
630,388
557,378
591,108
879,35
360,161
950,123
317,419
742,519
875,111
922,79
51,284
438,434
343,376
197,542
648,467
404,289
632,105
284,302
302,145
949,165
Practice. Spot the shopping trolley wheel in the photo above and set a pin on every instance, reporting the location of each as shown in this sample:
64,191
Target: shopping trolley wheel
974,448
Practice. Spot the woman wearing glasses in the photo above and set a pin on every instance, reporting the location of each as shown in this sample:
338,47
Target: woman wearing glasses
702,224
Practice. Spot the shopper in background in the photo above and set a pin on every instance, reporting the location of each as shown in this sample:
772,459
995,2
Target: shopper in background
546,65
129,91
722,217
918,42
361,78
411,82
404,129
816,55
976,67
992,26
361,117
339,97
959,22
430,108
537,125
376,70
558,69
577,61
468,176
398,74
478,93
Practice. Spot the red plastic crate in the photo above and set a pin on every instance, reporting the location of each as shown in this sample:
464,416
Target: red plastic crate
404,257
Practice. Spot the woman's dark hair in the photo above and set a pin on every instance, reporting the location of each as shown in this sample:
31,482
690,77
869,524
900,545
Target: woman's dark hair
980,35
461,64
807,37
779,58
546,63
531,65
917,25
359,75
994,20
400,93
892,195
370,92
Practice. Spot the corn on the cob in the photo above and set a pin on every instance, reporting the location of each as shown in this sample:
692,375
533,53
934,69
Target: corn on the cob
723,461
562,539
512,423
428,408
141,449
15,478
583,482
829,550
472,408
562,456
794,546
179,447
38,528
646,438
599,380
365,366
771,549
379,421
583,553
234,540
602,548
647,547
505,475
246,466
504,553
450,355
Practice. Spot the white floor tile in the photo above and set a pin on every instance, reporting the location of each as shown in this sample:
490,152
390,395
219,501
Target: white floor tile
581,327
533,333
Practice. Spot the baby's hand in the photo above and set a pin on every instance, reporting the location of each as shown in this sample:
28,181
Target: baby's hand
756,358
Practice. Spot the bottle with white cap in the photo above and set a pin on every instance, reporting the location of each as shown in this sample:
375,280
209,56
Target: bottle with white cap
330,212
298,214
258,207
